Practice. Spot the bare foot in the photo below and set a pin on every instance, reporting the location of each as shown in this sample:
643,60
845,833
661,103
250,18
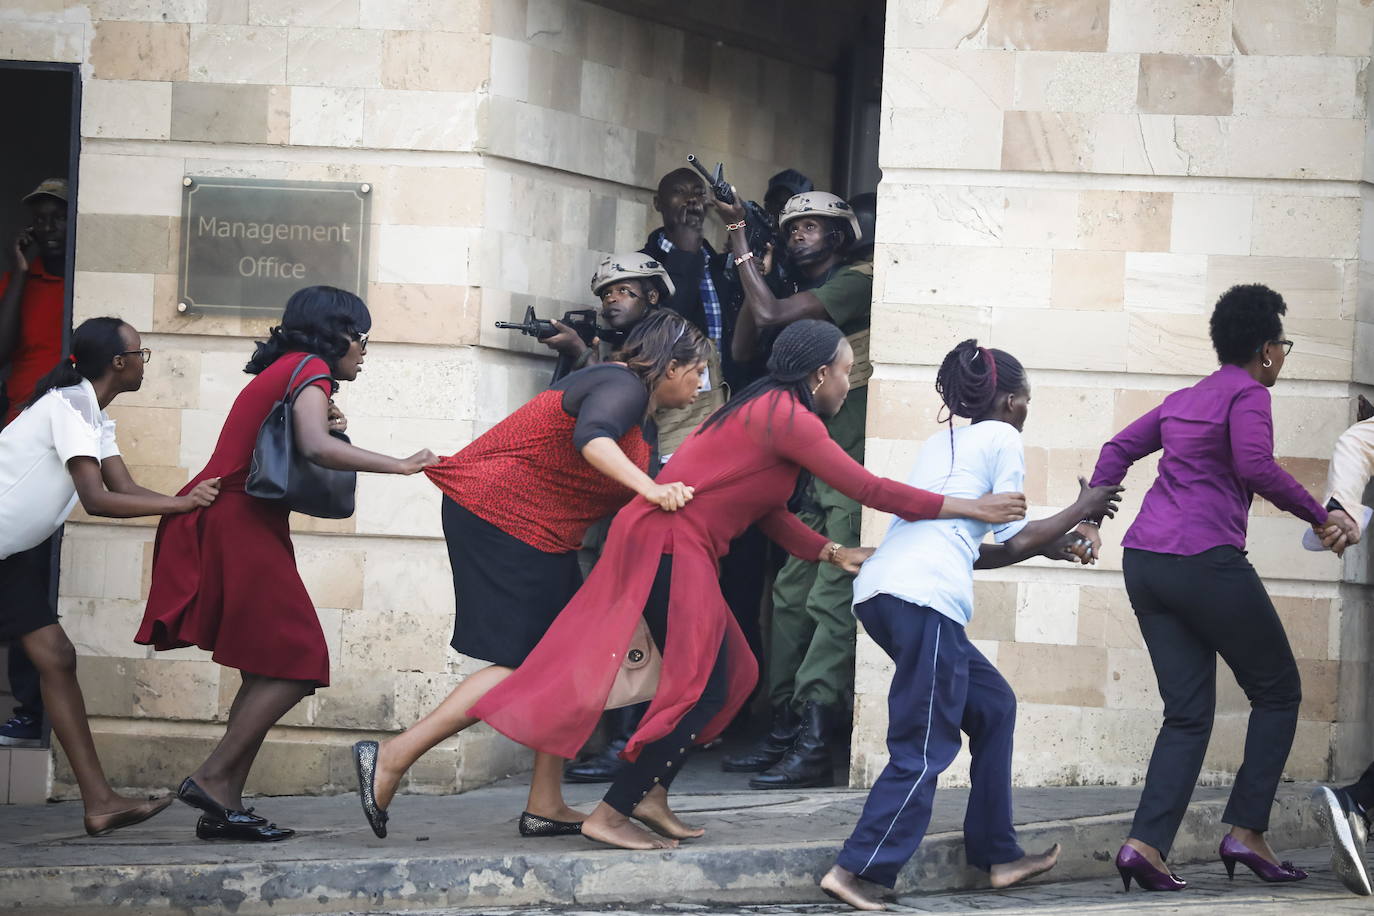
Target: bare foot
1024,868
112,804
655,814
841,884
387,777
609,826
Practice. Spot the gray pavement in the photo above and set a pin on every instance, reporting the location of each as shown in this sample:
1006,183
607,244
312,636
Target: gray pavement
1210,892
464,850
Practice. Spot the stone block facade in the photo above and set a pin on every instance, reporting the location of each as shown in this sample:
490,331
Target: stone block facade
1076,183
510,144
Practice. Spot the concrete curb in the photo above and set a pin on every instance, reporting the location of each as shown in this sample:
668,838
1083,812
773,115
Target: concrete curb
785,872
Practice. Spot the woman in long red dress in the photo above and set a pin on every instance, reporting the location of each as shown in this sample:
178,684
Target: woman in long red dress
224,577
517,503
743,465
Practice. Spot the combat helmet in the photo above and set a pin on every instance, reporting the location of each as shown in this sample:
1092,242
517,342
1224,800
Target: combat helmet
631,265
820,203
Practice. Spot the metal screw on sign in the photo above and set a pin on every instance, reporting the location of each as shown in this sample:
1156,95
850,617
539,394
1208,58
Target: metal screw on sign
365,188
182,306
187,182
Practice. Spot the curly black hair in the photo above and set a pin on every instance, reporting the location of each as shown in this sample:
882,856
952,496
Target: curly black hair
1246,318
971,377
318,319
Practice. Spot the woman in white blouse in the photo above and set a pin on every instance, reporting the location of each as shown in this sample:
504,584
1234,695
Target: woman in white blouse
61,448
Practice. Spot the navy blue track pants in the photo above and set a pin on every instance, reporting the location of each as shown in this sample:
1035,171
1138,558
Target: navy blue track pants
942,686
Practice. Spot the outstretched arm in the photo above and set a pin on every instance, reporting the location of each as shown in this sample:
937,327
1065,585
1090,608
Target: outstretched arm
1252,454
1036,537
802,439
103,503
310,423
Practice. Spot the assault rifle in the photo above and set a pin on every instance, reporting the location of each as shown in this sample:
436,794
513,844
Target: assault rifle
583,321
758,227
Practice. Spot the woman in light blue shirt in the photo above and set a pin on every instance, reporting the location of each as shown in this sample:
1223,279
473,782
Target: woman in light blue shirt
914,598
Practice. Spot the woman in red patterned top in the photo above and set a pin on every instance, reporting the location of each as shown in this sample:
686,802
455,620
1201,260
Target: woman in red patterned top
517,502
742,465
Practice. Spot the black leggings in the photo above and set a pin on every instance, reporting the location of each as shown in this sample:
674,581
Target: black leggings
661,761
1192,609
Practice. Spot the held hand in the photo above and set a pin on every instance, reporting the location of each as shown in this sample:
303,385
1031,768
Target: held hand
1092,541
1000,508
416,462
337,421
1096,502
1339,532
201,495
1071,548
566,342
670,497
850,559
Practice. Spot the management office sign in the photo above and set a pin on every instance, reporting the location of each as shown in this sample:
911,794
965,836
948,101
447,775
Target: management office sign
248,244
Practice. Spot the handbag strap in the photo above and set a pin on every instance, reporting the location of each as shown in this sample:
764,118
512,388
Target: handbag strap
293,392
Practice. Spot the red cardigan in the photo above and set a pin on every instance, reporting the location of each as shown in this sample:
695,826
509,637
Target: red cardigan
744,470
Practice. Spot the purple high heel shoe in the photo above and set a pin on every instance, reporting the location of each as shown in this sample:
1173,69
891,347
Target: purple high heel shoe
1131,864
1233,850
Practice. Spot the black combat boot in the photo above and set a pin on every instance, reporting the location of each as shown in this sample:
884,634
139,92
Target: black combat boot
770,748
606,765
807,764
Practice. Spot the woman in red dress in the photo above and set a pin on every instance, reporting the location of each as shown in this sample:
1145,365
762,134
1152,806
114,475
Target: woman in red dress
517,502
742,465
224,577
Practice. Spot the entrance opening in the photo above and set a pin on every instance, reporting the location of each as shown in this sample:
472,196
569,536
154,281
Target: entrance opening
45,146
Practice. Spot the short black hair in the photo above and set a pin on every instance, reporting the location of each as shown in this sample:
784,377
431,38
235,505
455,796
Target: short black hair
318,319
1246,318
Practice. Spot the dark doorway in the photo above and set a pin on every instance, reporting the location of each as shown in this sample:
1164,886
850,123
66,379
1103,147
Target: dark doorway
44,145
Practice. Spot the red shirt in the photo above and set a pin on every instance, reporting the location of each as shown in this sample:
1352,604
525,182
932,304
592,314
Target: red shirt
526,477
42,313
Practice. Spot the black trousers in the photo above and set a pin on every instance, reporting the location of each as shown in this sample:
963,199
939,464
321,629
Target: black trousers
1362,790
23,678
660,762
1192,609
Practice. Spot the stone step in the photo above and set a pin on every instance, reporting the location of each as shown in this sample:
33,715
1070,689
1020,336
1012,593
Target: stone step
767,848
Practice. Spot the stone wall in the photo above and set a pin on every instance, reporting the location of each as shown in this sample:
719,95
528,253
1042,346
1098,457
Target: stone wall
510,144
1076,182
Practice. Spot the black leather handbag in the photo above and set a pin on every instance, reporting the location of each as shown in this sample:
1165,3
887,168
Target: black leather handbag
279,472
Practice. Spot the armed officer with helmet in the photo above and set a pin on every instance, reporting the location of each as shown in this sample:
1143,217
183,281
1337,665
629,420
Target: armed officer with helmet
811,660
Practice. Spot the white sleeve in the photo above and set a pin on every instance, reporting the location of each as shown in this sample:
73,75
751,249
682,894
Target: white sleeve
1008,473
73,436
109,448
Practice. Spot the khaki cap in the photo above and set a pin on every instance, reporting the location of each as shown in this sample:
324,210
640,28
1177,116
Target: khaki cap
49,187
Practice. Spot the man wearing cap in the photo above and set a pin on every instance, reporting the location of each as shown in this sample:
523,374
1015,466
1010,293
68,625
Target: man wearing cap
32,315
811,663
33,301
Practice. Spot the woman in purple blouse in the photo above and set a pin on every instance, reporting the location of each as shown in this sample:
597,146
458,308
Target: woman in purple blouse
1195,594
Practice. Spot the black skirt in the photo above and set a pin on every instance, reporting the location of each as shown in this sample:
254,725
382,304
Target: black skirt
506,592
25,597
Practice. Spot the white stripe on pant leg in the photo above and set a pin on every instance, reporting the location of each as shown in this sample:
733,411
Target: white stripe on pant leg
925,763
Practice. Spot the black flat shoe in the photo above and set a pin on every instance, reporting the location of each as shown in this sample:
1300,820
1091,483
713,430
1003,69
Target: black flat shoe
210,828
197,797
534,825
365,762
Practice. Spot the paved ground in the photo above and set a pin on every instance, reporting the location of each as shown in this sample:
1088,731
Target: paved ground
1210,892
484,822
464,851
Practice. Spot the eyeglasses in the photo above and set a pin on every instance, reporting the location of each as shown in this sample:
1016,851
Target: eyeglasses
362,341
145,354
1286,344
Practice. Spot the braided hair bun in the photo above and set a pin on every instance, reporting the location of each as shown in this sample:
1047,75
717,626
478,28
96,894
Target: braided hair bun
802,348
971,377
